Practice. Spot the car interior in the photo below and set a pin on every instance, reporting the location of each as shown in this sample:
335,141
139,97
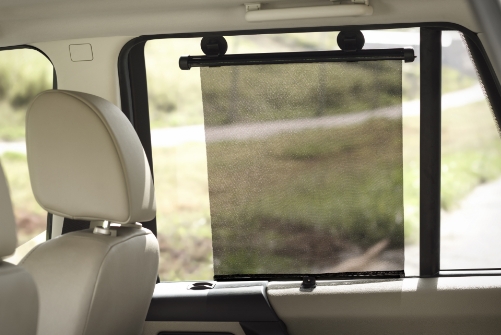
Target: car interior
287,167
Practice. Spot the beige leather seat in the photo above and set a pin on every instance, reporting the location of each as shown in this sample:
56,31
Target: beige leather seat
86,163
18,293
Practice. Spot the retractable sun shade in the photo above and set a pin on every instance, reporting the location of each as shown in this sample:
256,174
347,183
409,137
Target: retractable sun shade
304,160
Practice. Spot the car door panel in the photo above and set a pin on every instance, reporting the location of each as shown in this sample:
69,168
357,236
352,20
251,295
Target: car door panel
445,305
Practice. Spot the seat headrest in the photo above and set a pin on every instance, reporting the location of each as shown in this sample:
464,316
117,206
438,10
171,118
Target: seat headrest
8,237
85,159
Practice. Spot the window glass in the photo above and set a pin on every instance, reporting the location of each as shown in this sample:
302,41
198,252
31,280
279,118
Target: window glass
180,163
23,74
471,167
179,152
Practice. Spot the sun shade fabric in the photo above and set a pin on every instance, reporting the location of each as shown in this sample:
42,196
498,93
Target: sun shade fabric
305,167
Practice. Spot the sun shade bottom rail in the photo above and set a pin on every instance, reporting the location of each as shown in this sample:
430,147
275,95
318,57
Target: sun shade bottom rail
322,276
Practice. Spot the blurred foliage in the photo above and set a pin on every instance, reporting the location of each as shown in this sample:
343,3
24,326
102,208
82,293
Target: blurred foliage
183,213
452,80
175,95
175,99
23,74
183,204
471,154
471,151
31,219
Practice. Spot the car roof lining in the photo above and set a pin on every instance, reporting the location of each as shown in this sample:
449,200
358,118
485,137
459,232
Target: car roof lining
30,21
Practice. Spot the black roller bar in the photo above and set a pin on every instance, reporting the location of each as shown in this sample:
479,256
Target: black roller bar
187,62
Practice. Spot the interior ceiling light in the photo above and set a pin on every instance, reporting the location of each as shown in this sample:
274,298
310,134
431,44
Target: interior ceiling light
254,13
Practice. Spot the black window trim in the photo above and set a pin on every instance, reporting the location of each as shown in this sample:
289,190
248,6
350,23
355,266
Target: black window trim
134,101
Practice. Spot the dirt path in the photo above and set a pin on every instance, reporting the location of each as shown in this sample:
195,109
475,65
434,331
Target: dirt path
173,136
168,137
471,234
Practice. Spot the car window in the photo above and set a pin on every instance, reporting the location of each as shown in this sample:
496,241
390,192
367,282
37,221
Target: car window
180,163
23,74
469,162
179,148
471,168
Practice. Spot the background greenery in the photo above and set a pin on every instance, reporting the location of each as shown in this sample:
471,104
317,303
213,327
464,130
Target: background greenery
471,146
470,163
23,74
302,202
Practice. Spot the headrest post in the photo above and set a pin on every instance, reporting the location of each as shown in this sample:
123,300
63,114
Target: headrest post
102,228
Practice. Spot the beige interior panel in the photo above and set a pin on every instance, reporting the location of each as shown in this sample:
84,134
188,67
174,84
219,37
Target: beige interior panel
446,305
98,77
154,327
30,21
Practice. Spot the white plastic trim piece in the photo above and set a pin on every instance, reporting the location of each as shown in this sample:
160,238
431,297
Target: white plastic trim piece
136,225
252,6
57,226
365,2
308,13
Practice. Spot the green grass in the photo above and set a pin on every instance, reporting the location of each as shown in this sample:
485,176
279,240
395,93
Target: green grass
23,74
344,183
471,153
30,217
183,213
309,204
12,124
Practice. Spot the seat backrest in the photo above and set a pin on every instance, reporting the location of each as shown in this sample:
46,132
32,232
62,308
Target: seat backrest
87,163
18,293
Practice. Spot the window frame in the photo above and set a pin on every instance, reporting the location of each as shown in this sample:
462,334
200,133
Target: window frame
134,101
